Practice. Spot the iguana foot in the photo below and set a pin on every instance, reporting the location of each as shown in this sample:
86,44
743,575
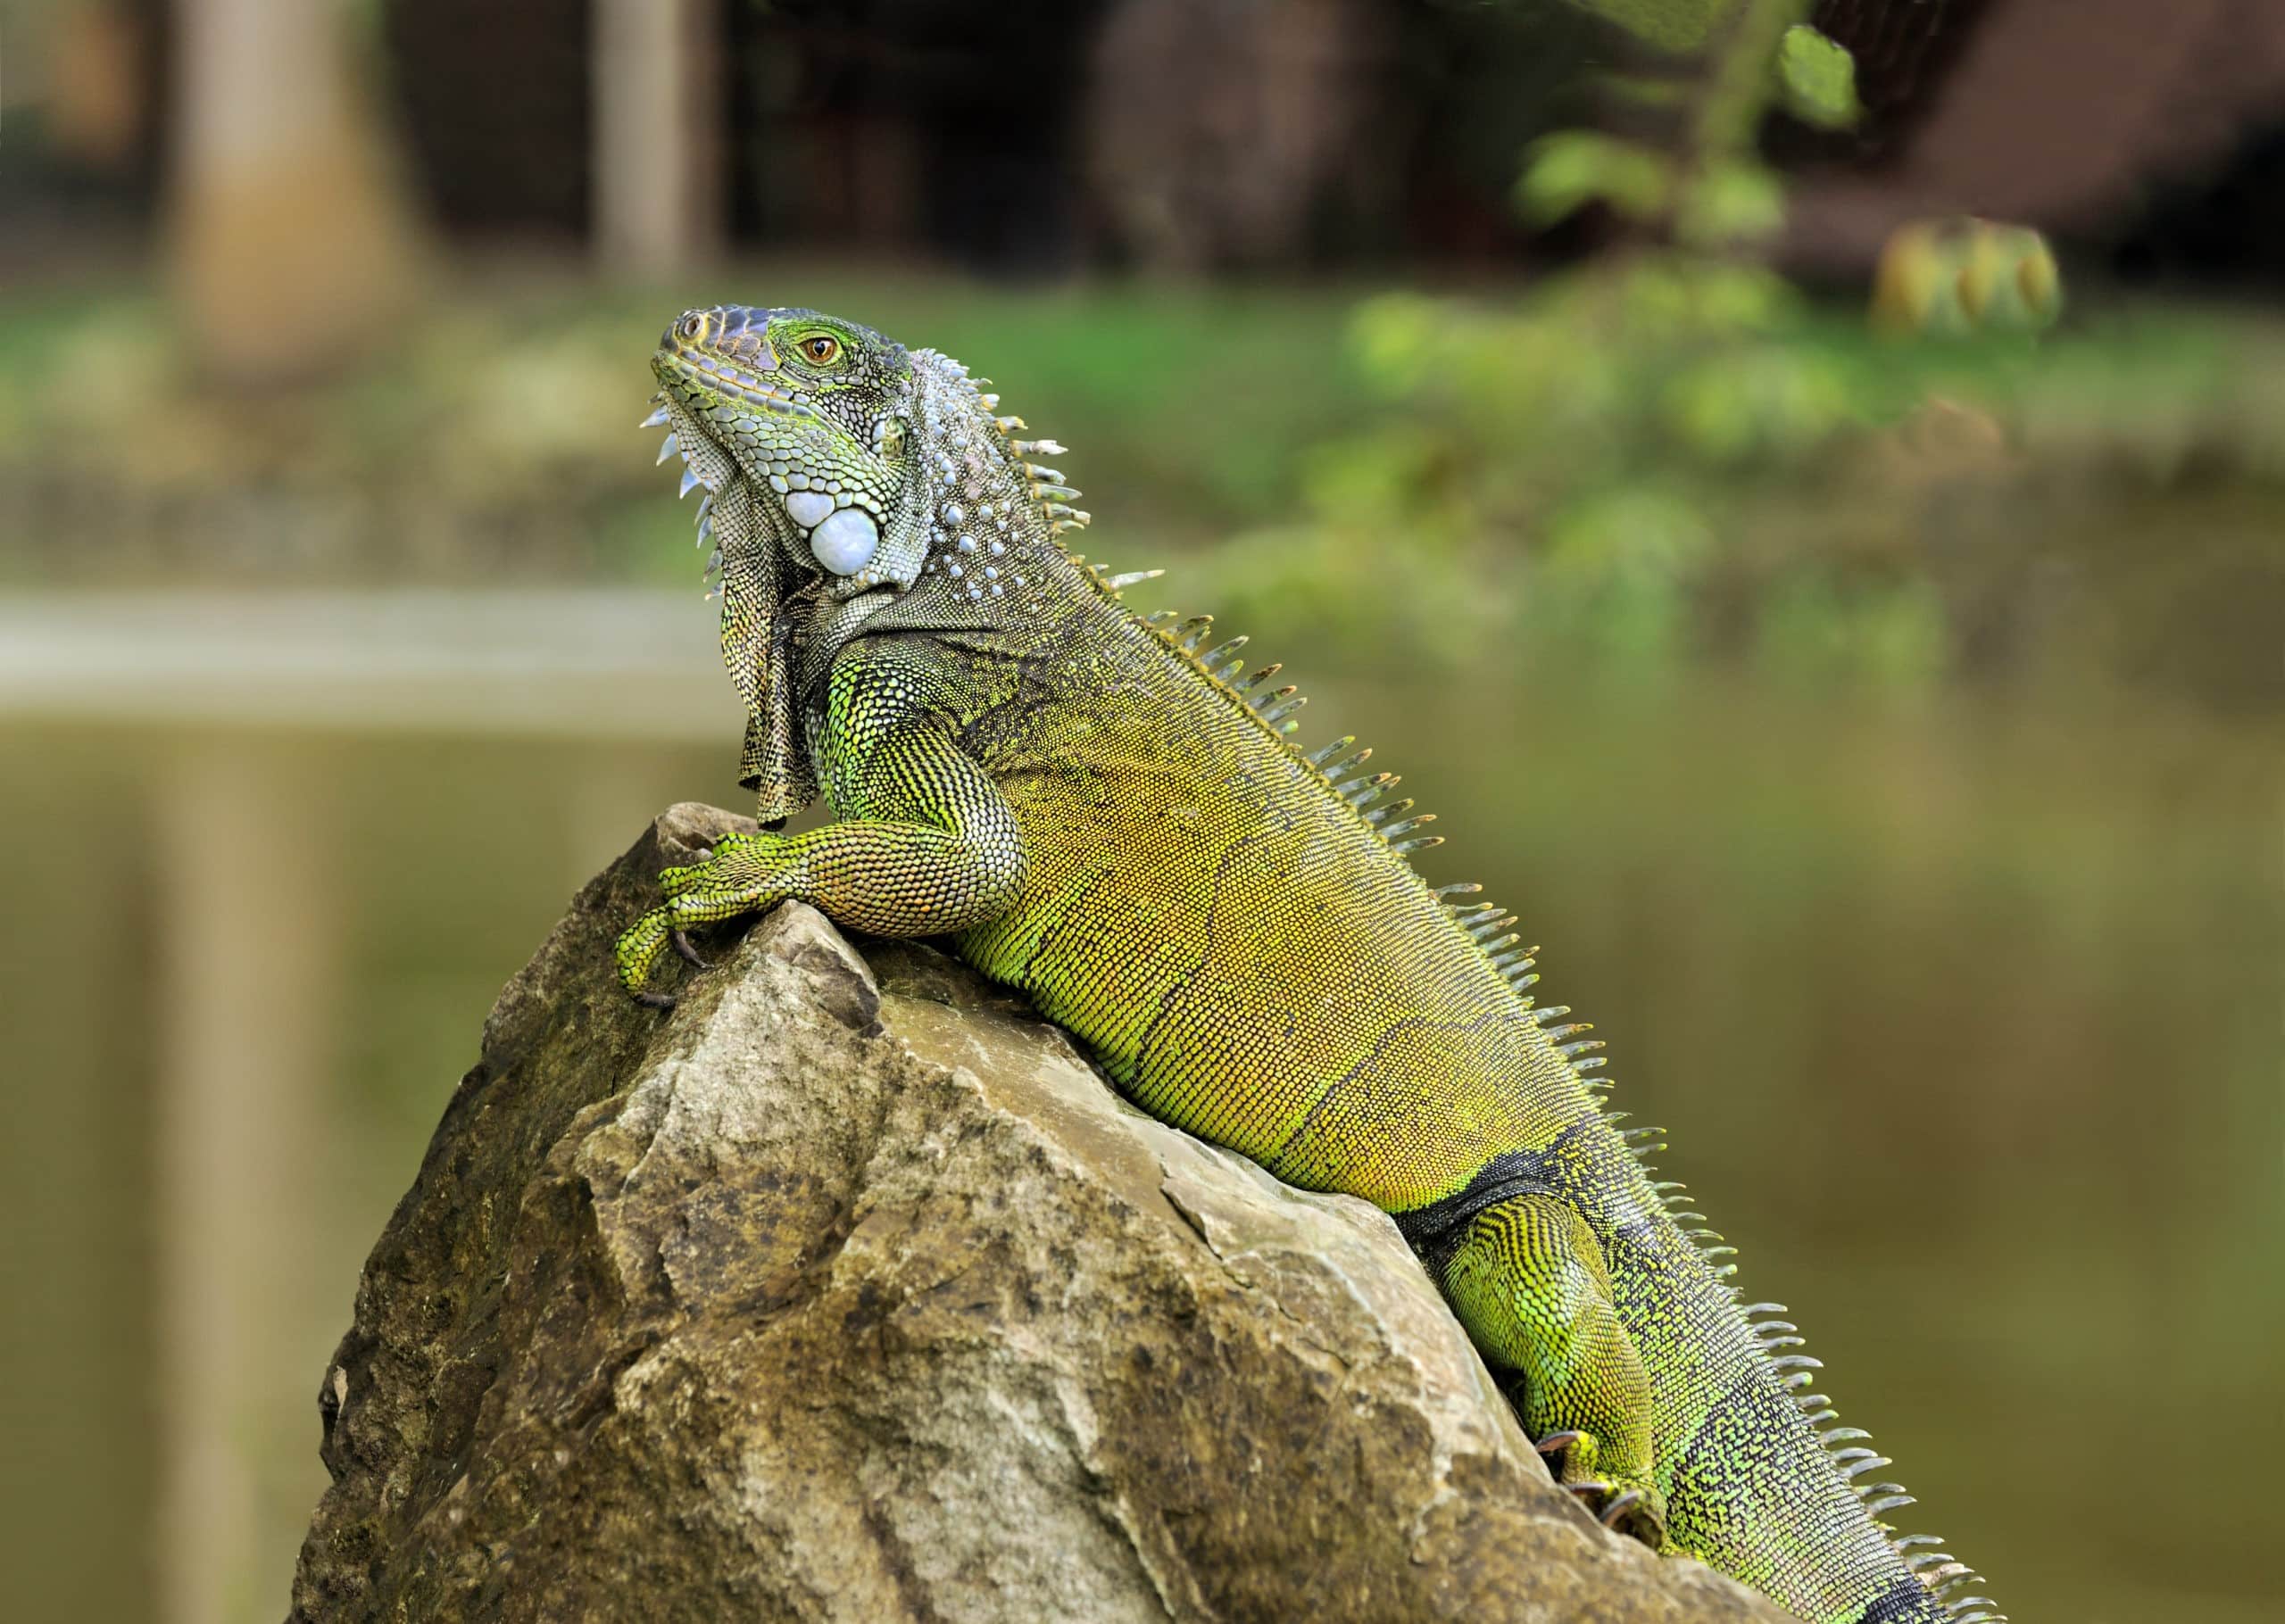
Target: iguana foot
1635,1508
637,949
742,875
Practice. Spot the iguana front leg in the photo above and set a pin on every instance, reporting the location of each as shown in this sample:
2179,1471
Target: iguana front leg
927,844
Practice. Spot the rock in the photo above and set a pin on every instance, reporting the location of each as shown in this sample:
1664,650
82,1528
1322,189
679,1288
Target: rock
848,1291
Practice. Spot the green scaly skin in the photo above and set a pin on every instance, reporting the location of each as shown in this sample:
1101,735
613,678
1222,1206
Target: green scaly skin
1104,812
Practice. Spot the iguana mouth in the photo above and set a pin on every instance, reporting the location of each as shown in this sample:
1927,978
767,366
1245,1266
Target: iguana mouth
698,368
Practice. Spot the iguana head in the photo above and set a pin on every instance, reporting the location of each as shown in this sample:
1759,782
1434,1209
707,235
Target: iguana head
850,483
813,411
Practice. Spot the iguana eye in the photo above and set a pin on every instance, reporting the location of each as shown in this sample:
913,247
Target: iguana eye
819,349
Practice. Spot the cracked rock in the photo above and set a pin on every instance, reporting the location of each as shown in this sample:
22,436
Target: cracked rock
849,1291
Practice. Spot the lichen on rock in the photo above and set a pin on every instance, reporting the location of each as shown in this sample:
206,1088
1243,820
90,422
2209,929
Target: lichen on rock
850,1291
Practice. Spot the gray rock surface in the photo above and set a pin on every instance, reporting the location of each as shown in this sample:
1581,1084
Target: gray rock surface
848,1291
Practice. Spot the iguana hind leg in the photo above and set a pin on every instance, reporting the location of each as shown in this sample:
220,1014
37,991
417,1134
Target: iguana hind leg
1528,1281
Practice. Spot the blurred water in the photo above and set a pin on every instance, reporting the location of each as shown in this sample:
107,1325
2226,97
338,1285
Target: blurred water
1964,1017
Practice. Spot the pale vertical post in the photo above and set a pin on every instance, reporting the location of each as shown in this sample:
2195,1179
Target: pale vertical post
291,244
657,152
249,968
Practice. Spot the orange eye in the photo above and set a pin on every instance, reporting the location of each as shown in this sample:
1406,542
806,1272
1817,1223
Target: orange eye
821,349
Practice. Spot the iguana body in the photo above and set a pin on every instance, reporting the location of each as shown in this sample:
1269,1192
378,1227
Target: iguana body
1104,813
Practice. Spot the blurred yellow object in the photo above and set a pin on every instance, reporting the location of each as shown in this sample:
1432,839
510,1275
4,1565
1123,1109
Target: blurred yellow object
1946,279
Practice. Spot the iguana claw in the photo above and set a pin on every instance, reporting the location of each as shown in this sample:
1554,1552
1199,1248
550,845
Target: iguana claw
655,1001
1627,1512
689,955
1621,1504
1555,1443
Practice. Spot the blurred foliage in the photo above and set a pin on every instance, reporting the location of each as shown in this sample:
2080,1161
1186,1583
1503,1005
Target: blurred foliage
1671,453
496,441
1702,182
1672,25
1674,456
1649,460
1569,169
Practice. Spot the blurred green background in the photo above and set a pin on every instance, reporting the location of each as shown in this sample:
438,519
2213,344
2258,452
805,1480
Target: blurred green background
1854,655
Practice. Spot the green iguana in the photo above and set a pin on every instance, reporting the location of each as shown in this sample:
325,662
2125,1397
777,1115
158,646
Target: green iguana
1103,810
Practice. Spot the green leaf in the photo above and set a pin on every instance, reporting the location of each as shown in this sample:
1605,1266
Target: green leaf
1565,172
1819,78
